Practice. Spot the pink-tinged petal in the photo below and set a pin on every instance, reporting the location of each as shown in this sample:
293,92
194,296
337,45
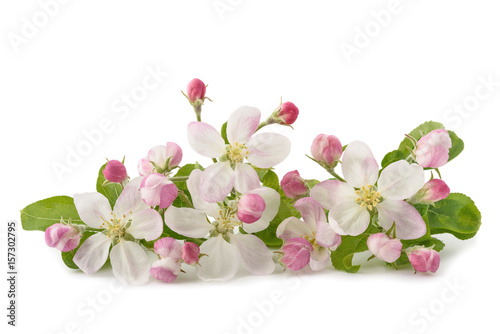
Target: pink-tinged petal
221,262
253,253
326,236
130,199
359,166
320,258
158,155
165,269
145,167
205,140
325,191
168,247
400,180
62,237
158,190
272,200
193,184
92,208
146,224
246,178
190,253
384,248
311,211
250,208
268,149
93,253
326,149
174,152
130,263
409,223
296,253
433,149
293,185
349,218
188,222
115,171
424,259
216,182
168,194
242,124
434,190
293,227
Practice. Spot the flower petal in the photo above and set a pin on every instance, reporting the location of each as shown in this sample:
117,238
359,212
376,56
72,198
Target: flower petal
146,224
358,165
319,259
273,200
242,124
205,140
193,184
268,149
401,180
130,263
246,178
326,236
221,262
216,182
311,211
292,228
92,208
93,253
130,199
409,223
188,222
324,191
253,253
348,217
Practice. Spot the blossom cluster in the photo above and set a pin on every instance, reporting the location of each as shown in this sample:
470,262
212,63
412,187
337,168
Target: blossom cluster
237,213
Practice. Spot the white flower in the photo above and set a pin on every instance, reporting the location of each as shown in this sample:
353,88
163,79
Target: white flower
130,219
225,248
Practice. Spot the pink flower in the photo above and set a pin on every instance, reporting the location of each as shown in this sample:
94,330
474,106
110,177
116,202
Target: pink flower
157,189
384,248
263,150
293,185
63,237
288,113
166,269
250,208
433,191
115,171
326,149
160,159
190,252
168,247
433,149
424,259
296,253
196,90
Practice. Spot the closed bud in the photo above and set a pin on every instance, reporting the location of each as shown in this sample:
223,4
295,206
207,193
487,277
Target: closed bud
196,90
160,159
158,190
166,269
296,253
250,208
384,248
326,149
287,113
433,149
293,185
190,252
168,247
424,259
63,237
115,171
433,191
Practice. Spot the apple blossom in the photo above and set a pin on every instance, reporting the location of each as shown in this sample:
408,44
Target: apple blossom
190,252
64,237
433,149
168,247
296,253
351,203
115,171
165,269
250,208
423,259
433,191
158,190
384,248
293,185
160,159
326,149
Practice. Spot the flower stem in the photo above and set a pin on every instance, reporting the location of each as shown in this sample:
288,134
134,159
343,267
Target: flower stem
332,172
182,195
178,178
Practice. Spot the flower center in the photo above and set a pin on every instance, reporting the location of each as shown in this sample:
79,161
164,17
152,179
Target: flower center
237,152
311,239
116,227
368,196
226,221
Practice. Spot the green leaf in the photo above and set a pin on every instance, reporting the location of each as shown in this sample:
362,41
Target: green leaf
311,183
342,256
457,145
223,132
67,257
44,213
111,190
185,171
391,157
271,180
457,214
269,234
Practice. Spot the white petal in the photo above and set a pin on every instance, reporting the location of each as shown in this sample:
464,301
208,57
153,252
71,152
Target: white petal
253,253
193,184
242,124
348,217
326,236
91,207
324,191
246,178
319,259
311,211
93,253
130,199
291,228
217,181
130,263
409,223
400,180
188,222
205,140
358,165
268,149
221,262
146,224
273,200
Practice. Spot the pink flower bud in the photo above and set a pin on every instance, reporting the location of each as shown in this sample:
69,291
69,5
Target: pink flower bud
196,90
433,149
115,171
433,191
296,253
157,158
168,247
326,149
384,248
166,269
288,113
63,237
190,252
250,208
157,189
293,185
424,259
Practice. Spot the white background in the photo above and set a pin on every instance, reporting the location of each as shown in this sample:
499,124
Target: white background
71,73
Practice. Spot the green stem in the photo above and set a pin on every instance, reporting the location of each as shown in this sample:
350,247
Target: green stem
178,178
182,195
332,172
